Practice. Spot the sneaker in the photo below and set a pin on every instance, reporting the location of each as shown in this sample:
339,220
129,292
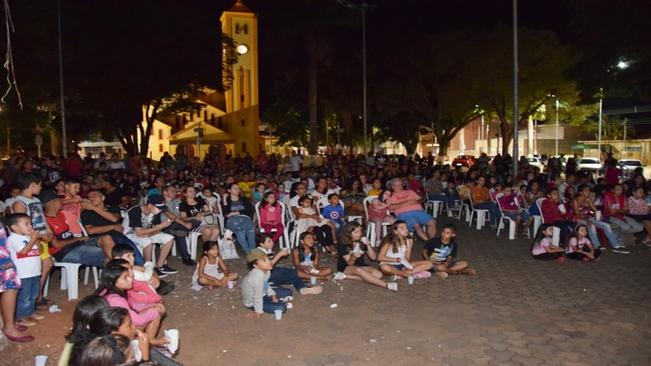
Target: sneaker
167,270
164,287
189,262
311,290
647,243
621,250
441,274
392,286
603,249
339,276
422,275
160,273
287,299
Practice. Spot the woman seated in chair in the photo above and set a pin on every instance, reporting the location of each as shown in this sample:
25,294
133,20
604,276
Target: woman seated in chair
197,210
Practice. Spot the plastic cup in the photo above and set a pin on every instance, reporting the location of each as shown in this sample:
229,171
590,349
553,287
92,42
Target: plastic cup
278,314
410,280
231,284
40,360
313,281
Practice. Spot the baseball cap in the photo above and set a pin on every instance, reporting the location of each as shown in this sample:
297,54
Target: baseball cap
158,201
254,255
47,196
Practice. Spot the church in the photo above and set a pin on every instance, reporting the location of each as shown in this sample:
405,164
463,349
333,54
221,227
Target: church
228,122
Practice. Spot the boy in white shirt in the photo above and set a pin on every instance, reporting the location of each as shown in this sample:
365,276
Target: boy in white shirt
25,249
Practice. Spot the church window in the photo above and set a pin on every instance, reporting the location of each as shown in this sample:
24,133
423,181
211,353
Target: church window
242,122
160,134
160,147
244,147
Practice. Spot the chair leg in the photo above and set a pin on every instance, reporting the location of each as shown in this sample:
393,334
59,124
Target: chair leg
64,278
96,276
511,230
86,271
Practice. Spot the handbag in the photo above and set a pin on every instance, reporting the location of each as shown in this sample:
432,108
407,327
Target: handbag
227,246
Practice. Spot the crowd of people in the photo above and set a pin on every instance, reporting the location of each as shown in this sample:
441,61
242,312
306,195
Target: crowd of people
128,216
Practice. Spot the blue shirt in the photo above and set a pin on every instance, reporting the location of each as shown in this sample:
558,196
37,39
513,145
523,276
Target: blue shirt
334,213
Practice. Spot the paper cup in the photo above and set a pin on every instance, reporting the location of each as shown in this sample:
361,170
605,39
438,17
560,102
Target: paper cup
231,284
410,280
598,215
40,360
173,336
313,281
278,314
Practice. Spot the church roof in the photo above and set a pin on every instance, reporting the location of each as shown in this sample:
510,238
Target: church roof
239,7
212,135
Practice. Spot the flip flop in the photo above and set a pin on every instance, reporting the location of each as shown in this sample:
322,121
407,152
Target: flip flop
22,339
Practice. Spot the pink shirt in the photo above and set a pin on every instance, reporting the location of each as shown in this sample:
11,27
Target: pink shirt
269,213
540,247
406,195
138,318
142,295
508,202
637,206
576,246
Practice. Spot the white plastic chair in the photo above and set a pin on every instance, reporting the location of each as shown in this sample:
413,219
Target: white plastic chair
480,215
370,229
437,207
284,239
538,219
503,217
70,278
464,206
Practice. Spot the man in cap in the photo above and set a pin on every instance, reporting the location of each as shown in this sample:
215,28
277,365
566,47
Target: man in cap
146,228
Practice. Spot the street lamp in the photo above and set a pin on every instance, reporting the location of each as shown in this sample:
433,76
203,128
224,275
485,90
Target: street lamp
557,106
362,7
515,89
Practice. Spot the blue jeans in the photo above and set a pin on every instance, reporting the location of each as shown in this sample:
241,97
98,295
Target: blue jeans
492,208
242,226
285,276
26,301
89,254
270,307
594,238
119,238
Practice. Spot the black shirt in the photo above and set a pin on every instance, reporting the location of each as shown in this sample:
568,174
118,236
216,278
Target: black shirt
344,250
92,218
192,210
138,219
441,251
115,198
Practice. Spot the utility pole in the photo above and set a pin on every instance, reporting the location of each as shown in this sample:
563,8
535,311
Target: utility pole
601,105
64,136
516,117
556,150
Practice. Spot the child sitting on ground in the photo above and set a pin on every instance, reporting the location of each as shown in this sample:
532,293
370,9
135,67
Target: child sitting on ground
442,251
395,253
334,211
257,294
282,275
306,259
212,270
144,273
580,247
25,248
543,248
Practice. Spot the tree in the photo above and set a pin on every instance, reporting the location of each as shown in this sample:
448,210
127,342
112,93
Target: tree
543,66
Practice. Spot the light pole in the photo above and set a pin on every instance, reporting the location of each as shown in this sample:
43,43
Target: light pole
516,117
64,137
601,105
556,149
362,7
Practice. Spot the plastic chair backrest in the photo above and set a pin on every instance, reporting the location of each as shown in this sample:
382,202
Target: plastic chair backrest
367,202
539,202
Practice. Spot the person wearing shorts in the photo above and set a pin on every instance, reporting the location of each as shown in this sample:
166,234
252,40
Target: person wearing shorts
406,205
146,228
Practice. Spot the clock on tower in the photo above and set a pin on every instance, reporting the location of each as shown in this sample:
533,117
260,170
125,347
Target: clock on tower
241,24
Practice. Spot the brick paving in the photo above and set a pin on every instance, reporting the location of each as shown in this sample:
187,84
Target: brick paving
515,311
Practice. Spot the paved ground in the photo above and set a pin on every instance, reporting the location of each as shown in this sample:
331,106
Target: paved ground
516,311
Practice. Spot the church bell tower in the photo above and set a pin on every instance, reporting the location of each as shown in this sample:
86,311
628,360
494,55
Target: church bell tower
241,24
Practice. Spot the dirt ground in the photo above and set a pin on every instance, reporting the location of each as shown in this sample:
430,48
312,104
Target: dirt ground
516,311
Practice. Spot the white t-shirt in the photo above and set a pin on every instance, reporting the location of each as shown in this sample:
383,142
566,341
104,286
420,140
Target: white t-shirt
116,165
27,265
296,162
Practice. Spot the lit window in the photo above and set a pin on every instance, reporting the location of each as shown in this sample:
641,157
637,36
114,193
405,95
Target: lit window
160,147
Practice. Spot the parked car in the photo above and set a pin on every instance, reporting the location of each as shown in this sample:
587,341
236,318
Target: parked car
589,164
536,163
629,165
464,160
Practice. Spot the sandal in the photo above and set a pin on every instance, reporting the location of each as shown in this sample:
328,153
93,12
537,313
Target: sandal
24,338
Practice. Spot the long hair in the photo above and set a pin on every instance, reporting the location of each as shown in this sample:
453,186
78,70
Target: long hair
80,335
540,235
107,350
575,232
392,238
264,202
109,277
107,321
346,235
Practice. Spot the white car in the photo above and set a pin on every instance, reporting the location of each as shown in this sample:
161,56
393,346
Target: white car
589,164
629,165
535,162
